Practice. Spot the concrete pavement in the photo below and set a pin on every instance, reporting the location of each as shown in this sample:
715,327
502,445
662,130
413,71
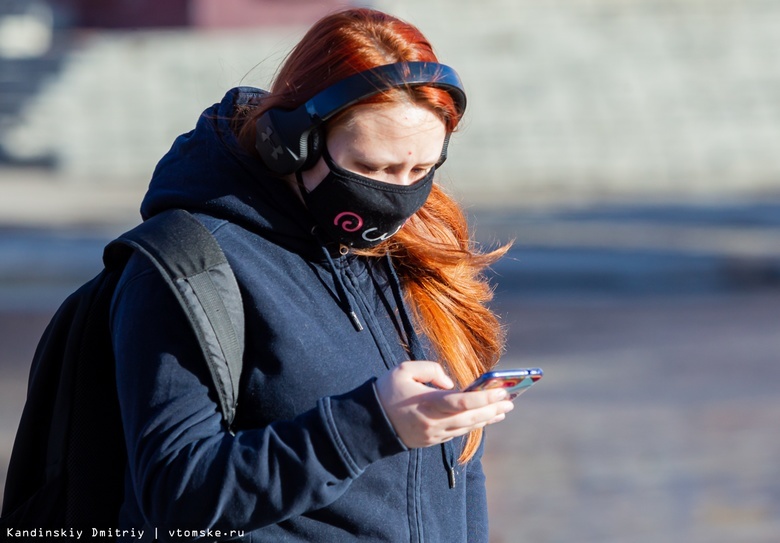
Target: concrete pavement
657,326
656,420
53,236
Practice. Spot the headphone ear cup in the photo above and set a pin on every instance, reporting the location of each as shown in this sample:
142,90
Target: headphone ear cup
314,145
263,130
272,152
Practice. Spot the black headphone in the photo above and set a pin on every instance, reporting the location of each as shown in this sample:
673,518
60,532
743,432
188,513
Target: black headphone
291,140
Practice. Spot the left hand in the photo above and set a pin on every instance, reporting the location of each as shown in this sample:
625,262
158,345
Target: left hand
423,416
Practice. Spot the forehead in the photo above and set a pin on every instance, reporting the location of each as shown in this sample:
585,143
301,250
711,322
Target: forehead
404,113
390,124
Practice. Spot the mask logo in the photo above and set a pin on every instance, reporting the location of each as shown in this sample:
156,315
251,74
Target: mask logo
380,237
348,221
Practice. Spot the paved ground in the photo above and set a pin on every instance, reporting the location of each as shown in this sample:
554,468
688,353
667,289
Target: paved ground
657,328
656,421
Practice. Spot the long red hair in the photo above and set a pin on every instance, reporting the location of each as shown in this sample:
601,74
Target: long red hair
442,273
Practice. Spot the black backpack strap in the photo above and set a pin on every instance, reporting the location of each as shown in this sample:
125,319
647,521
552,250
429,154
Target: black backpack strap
194,266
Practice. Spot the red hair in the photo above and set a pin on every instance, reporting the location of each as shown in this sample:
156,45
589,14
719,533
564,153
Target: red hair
441,272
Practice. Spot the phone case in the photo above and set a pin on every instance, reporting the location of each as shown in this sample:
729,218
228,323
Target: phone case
514,381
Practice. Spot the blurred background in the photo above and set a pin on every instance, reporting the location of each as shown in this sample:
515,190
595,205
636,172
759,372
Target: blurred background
630,148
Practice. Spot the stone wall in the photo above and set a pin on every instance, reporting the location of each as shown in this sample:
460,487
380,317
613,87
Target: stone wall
568,99
642,97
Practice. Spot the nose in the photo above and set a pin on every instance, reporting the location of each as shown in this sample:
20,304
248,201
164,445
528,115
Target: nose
407,177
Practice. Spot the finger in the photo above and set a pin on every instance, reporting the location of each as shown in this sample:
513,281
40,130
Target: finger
444,430
464,401
446,404
455,432
477,418
427,372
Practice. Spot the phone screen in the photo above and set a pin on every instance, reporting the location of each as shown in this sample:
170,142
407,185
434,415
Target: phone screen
515,382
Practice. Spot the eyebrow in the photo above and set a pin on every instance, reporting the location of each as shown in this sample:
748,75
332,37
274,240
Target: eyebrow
372,161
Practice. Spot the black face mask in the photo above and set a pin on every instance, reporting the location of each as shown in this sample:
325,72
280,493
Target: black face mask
361,212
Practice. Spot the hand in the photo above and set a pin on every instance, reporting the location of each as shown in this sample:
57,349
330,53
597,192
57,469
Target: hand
423,416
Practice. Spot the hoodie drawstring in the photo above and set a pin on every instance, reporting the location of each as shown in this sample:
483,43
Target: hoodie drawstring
417,353
342,290
415,348
344,301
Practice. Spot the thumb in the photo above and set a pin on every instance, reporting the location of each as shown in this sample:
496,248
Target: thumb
427,372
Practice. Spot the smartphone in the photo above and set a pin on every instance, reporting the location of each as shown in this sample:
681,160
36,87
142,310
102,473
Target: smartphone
515,382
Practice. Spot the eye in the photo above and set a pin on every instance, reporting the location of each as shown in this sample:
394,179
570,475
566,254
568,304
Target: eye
419,173
368,169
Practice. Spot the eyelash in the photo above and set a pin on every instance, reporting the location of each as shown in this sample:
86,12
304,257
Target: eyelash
368,169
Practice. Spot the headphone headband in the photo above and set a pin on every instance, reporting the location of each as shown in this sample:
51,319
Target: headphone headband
285,137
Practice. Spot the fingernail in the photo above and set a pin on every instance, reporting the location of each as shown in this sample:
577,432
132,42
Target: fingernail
500,394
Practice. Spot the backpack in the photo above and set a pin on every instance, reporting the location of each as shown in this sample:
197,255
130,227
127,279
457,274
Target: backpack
68,462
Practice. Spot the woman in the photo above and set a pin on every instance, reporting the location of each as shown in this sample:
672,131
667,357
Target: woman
347,426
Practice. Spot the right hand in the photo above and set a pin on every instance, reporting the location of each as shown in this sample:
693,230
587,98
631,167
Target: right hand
423,416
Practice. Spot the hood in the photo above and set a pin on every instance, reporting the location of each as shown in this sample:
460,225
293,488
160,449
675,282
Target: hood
207,171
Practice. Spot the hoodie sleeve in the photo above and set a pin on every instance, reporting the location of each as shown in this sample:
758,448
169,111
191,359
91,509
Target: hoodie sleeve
185,466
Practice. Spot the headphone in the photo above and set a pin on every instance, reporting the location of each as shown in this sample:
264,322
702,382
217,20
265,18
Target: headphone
291,140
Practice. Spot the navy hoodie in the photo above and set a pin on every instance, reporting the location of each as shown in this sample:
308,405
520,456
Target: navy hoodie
313,456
